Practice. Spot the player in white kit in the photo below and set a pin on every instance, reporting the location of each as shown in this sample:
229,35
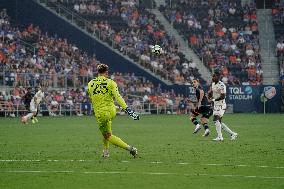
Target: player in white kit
218,90
34,105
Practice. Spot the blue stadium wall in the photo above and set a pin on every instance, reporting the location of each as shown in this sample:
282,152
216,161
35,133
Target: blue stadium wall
24,12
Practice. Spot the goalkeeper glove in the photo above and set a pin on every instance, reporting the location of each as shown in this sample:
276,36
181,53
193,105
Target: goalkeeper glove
132,114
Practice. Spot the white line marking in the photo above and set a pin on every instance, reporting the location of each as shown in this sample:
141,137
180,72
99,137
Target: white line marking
20,160
242,165
156,162
144,173
182,163
213,164
152,162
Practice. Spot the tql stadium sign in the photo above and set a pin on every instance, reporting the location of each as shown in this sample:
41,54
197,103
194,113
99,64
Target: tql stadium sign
240,93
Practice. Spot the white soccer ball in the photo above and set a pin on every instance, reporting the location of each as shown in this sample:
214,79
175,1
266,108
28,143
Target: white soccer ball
156,49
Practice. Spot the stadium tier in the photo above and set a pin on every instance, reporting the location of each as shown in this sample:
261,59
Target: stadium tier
223,33
131,29
53,62
278,21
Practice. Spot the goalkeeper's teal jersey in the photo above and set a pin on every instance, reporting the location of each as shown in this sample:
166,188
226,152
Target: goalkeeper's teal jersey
102,92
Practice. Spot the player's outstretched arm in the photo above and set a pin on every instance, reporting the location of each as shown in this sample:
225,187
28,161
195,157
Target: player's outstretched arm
122,103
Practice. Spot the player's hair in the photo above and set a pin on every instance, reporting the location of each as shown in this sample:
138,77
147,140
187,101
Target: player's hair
196,80
102,68
217,73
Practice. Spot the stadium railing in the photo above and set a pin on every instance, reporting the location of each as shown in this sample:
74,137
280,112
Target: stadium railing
55,80
10,79
80,109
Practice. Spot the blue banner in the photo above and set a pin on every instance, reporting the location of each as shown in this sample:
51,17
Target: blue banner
243,98
248,98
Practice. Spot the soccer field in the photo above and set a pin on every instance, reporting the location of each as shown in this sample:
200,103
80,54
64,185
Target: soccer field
66,153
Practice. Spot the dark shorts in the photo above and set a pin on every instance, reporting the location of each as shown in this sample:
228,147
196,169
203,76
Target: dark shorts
205,111
27,106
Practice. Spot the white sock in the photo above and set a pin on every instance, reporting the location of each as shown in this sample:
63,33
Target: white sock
218,129
29,115
227,129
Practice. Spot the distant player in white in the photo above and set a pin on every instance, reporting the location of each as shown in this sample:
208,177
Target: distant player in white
34,105
218,90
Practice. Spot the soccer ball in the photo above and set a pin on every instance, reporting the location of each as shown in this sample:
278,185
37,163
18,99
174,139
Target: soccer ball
156,49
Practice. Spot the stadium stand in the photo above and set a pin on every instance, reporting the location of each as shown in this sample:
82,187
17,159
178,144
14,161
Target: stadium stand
76,102
223,33
62,68
131,29
278,21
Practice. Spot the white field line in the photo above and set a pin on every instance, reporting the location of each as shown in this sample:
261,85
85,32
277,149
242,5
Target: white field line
152,162
142,173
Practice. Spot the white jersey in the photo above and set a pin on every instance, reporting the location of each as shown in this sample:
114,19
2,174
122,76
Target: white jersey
38,97
218,89
219,106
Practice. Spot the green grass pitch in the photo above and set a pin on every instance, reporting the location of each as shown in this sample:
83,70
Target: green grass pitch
66,153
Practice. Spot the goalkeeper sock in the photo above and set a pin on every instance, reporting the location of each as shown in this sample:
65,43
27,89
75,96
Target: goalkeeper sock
105,143
227,129
118,142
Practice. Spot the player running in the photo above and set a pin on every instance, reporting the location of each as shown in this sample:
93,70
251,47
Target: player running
218,90
34,104
203,107
28,98
102,92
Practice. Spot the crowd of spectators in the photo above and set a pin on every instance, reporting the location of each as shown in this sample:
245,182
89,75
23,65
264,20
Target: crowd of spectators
138,92
278,21
278,12
279,51
49,61
132,30
224,33
52,57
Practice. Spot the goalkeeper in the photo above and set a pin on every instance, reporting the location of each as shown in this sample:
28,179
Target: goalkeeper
102,92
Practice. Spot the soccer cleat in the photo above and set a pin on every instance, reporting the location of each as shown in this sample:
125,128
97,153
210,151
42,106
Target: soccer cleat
218,139
33,121
105,154
133,151
197,128
234,136
206,133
